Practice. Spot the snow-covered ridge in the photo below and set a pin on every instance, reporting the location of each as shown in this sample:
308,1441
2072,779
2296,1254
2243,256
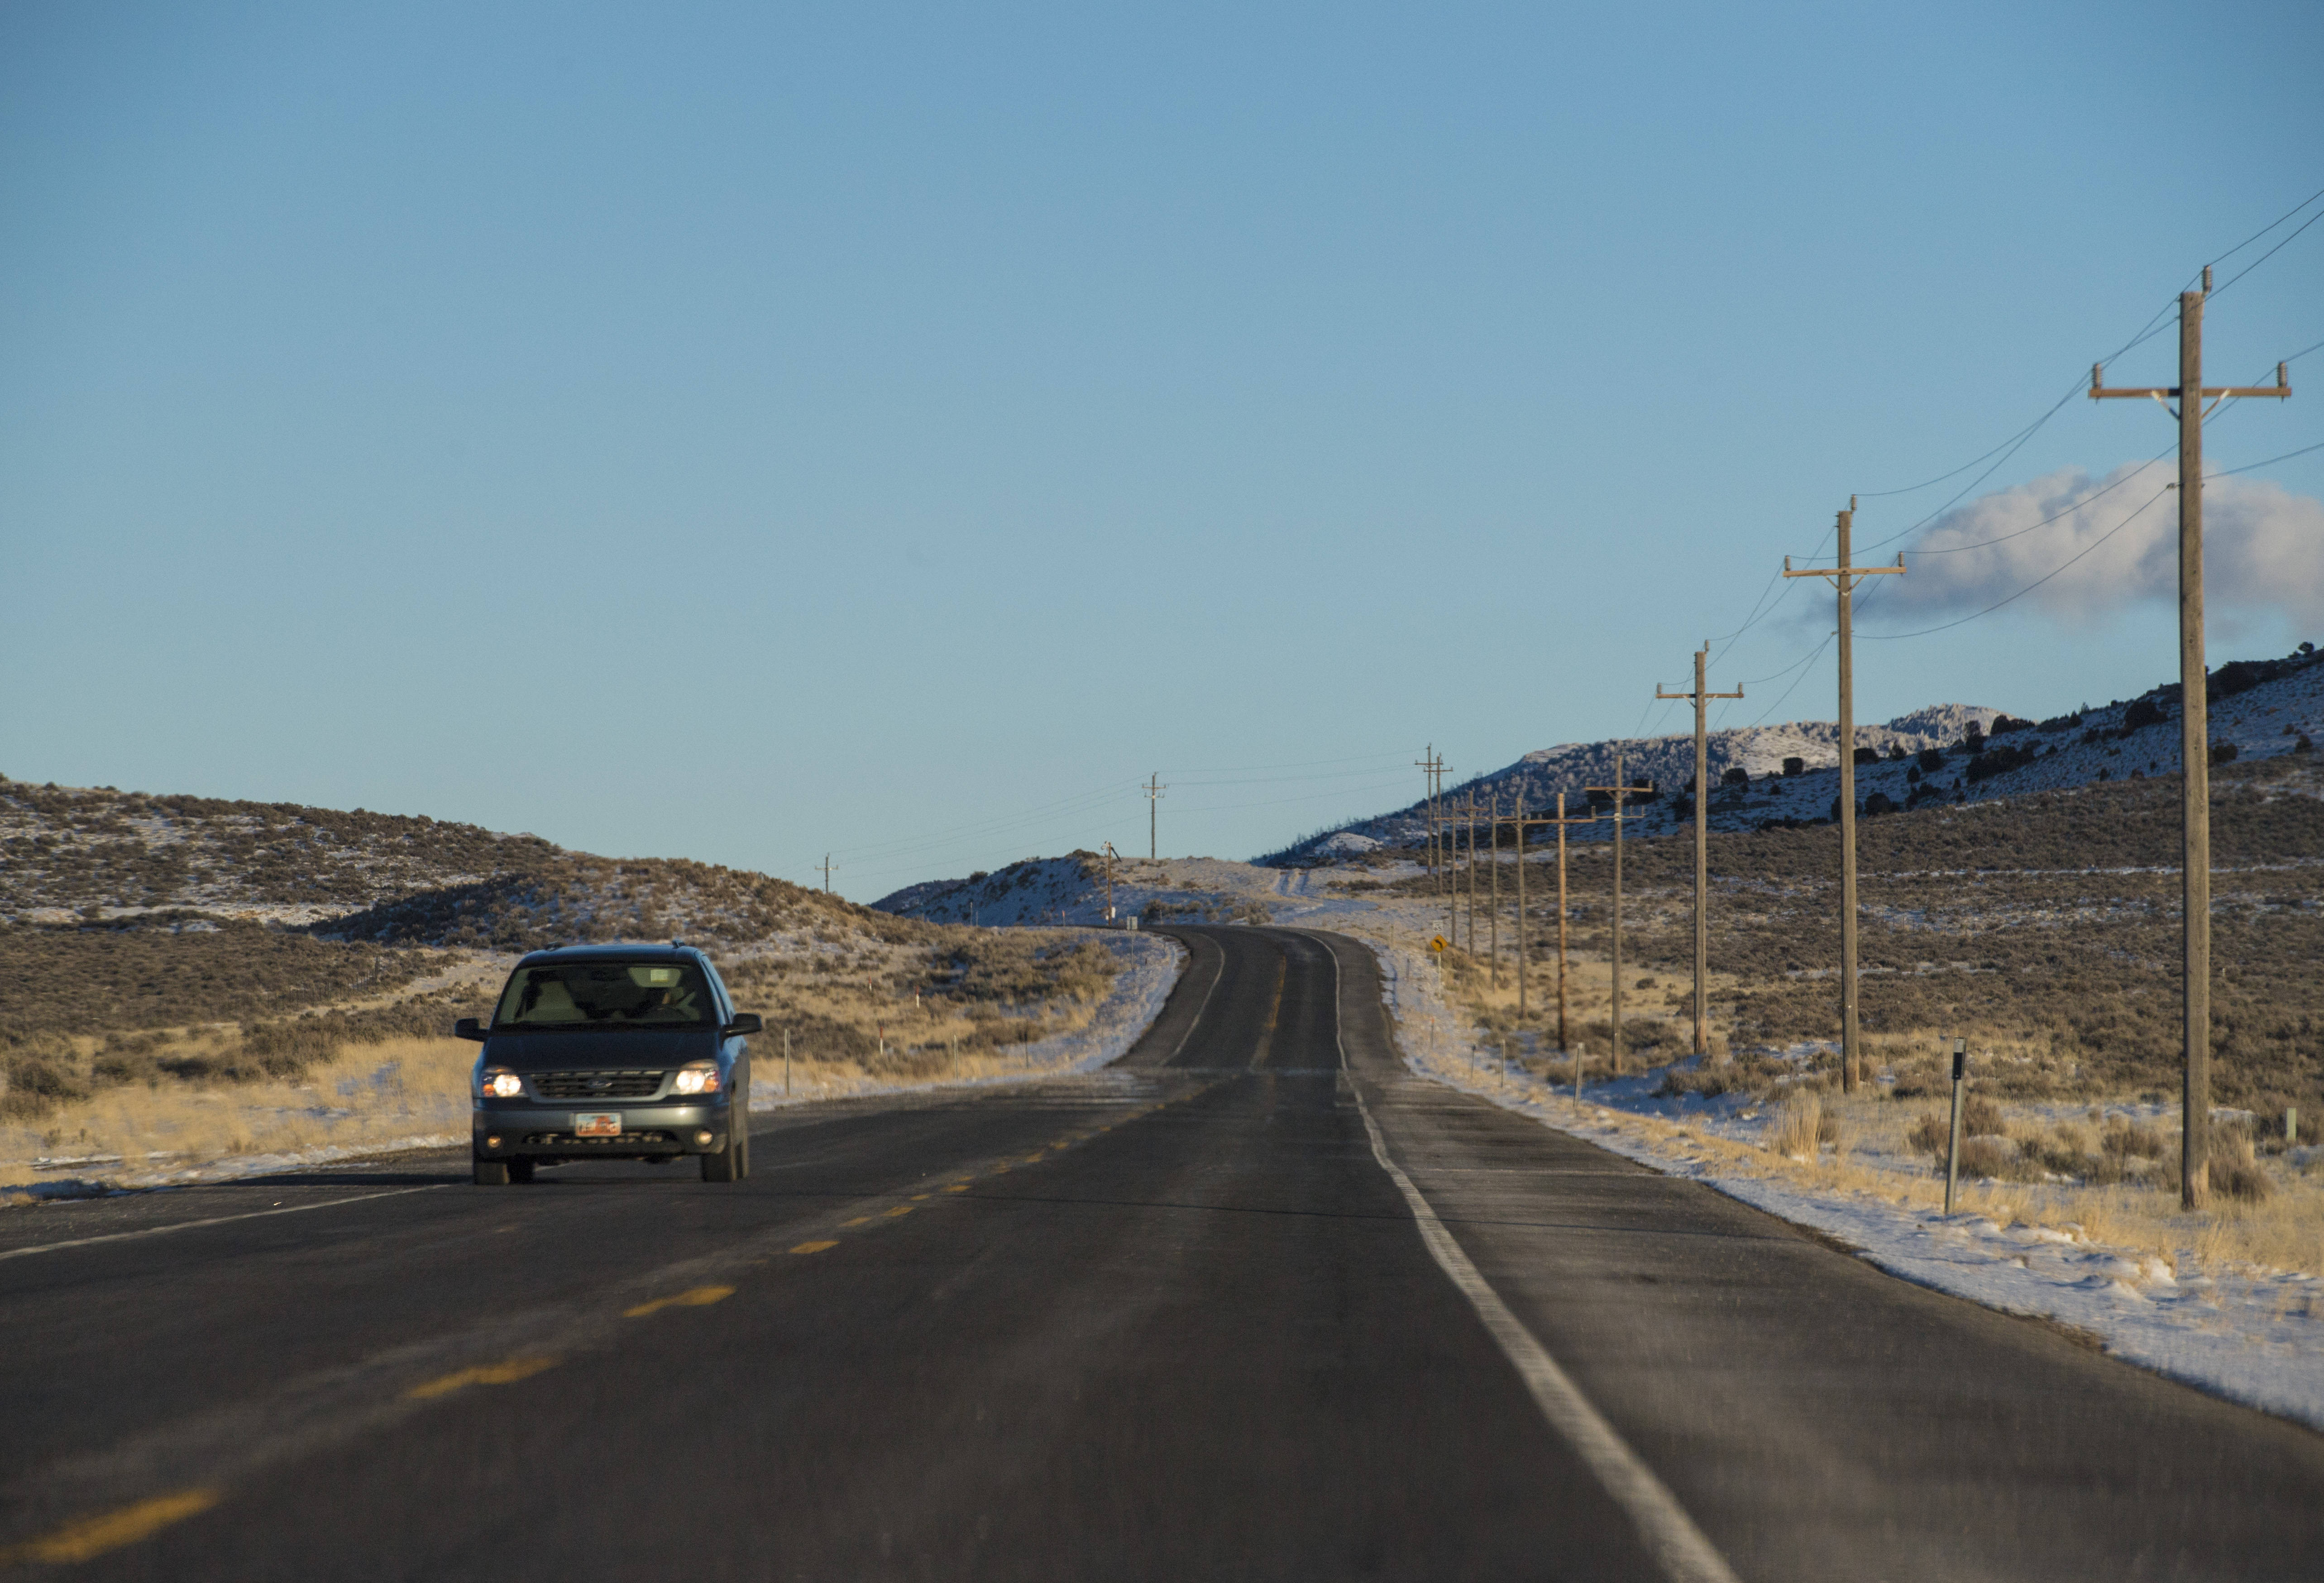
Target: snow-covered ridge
2137,736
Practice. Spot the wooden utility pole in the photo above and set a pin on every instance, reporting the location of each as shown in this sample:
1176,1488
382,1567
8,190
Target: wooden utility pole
2194,727
1470,868
1843,579
1430,768
1621,800
1493,916
1448,884
1154,790
1562,822
1523,822
827,873
1701,845
1522,920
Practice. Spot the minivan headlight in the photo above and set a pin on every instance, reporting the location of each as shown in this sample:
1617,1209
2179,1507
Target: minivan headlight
697,1077
500,1083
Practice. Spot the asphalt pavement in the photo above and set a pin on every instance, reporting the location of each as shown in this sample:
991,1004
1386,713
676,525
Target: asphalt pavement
1254,1302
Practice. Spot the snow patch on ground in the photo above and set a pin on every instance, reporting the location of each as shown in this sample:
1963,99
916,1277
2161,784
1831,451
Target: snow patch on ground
232,1168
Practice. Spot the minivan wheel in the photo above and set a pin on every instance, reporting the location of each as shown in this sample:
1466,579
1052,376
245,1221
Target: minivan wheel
721,1166
520,1170
492,1173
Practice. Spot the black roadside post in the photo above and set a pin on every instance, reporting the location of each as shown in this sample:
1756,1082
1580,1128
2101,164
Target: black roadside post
1952,1138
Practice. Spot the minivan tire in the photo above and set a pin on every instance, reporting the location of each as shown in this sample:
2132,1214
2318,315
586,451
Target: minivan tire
492,1173
723,1165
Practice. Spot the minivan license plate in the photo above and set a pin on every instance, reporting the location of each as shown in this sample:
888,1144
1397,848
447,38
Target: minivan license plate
597,1124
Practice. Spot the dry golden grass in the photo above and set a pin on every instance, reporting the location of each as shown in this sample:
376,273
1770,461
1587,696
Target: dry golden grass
883,1011
369,1095
2284,1231
1795,1132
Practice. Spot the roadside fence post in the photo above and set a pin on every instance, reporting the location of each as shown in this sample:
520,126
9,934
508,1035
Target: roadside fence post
1952,1137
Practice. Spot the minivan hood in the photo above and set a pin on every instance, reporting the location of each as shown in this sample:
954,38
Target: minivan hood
608,1047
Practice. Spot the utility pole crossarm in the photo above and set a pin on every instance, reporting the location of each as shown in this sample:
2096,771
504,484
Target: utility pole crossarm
2100,391
1689,697
1845,570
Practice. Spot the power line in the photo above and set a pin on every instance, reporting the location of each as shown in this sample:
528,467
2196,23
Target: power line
2147,332
2013,448
1079,803
1757,681
1296,764
2247,467
1756,614
1280,779
2070,511
1746,685
2216,411
1801,668
1873,494
2022,592
2264,230
2270,253
1278,802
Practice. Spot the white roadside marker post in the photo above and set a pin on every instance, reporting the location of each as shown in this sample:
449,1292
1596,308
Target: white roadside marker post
1953,1137
787,1061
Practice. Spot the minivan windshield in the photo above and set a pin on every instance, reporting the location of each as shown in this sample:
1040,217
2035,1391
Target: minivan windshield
600,994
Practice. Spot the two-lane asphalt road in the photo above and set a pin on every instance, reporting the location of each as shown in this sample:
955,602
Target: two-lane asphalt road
1254,1302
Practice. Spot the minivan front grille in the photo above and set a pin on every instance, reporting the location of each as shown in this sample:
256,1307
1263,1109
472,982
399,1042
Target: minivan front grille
596,1085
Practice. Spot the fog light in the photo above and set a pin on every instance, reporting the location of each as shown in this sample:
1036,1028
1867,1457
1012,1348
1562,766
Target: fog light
491,1142
703,1139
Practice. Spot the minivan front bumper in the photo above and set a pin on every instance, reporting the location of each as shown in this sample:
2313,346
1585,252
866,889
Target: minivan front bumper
528,1129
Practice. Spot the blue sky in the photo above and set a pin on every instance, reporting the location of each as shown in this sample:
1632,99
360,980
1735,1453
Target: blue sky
745,432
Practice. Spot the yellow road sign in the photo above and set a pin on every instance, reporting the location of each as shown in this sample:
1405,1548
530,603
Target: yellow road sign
1439,943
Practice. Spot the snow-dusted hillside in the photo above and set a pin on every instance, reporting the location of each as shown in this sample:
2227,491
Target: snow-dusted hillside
1072,889
90,856
2257,718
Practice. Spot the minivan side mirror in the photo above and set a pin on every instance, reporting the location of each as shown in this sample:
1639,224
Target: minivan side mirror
468,1027
745,1024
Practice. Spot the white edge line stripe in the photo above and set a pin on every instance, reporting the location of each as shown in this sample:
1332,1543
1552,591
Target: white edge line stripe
1188,1038
213,1220
1670,1534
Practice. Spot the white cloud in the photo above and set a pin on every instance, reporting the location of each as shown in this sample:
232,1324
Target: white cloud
2114,542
